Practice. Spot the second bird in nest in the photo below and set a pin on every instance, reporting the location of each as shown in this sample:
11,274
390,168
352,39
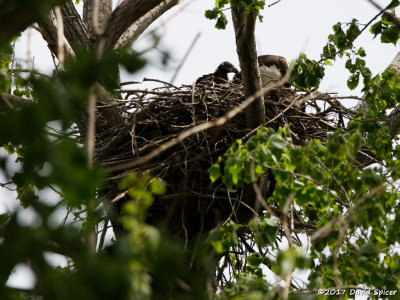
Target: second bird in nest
220,75
272,69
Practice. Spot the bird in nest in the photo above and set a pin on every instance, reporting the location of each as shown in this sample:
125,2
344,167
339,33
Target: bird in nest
272,69
220,75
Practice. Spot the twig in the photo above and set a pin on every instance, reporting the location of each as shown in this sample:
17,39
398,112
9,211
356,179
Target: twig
352,40
391,16
191,47
103,234
274,3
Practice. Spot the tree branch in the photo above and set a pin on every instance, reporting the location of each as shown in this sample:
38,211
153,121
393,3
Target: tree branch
13,101
103,14
16,16
244,25
48,30
137,28
74,30
128,12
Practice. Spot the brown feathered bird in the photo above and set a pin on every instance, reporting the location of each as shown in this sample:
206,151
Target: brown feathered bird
272,69
221,73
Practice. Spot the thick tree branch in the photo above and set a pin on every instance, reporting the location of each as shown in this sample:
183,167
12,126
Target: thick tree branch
127,13
244,25
48,30
74,30
12,101
137,28
16,16
103,13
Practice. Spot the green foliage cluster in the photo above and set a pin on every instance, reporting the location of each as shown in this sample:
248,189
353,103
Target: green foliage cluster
386,27
252,7
324,185
307,74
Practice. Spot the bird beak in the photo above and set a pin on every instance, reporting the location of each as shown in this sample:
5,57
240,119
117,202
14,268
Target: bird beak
234,70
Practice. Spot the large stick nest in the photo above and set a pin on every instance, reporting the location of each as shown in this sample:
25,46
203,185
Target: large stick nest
192,205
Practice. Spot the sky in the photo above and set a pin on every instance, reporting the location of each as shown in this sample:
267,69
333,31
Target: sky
289,27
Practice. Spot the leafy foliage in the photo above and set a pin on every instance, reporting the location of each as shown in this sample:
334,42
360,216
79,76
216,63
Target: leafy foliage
325,186
252,7
307,73
386,27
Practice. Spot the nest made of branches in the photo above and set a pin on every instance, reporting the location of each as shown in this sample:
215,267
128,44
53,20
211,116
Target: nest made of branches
192,205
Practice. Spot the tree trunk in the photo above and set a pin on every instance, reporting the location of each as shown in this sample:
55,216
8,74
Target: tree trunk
244,25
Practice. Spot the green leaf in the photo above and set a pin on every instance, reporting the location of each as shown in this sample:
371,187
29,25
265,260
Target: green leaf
353,81
254,259
393,4
221,22
376,28
277,143
157,187
212,14
353,31
215,172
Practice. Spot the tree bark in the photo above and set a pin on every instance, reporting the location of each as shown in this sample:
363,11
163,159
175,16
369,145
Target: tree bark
244,25
75,31
48,30
103,14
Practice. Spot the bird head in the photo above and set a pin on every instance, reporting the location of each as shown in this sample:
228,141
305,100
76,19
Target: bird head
227,67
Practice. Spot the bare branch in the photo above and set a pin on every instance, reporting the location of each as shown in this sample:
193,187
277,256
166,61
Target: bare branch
185,57
137,28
